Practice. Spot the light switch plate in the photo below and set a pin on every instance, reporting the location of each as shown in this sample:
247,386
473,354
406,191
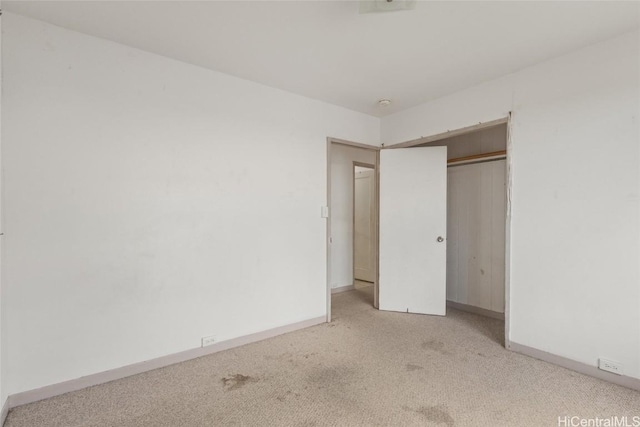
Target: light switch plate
324,211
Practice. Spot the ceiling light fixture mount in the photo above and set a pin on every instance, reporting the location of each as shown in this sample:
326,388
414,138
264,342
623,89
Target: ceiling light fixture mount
384,102
373,6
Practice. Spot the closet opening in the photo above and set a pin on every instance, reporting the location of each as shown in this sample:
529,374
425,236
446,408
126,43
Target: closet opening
476,220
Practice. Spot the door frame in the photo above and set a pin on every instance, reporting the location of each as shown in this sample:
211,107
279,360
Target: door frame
374,218
330,142
509,183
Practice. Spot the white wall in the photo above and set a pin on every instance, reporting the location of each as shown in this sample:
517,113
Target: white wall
342,158
150,202
575,198
476,202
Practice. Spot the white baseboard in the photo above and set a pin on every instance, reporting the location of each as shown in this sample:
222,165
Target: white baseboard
583,368
342,289
475,310
46,392
5,412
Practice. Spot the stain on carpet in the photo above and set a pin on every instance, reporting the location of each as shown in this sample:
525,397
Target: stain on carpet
411,367
435,345
237,381
434,414
287,395
335,378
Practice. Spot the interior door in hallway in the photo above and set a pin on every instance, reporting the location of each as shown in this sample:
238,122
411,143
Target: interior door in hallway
363,224
413,223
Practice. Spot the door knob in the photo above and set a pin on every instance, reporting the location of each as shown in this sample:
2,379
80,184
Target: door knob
440,239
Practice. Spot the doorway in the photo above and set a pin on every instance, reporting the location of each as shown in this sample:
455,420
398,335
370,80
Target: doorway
364,232
352,167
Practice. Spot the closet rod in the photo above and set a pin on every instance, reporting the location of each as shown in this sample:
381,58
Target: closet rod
495,155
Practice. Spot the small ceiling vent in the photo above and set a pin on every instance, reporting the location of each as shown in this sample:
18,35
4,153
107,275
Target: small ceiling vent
373,6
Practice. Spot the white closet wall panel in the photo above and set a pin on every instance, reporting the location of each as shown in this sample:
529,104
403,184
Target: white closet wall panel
475,233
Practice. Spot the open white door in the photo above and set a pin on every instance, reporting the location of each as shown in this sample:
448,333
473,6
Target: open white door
413,223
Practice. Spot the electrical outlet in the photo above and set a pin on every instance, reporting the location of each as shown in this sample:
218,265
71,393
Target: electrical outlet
610,366
208,340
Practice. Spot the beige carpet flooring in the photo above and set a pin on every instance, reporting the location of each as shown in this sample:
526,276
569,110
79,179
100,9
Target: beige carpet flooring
367,368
